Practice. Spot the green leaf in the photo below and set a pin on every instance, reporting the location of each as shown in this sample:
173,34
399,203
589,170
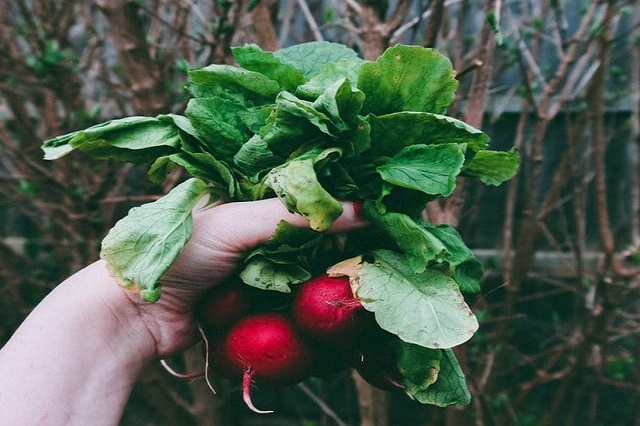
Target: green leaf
431,169
418,244
190,141
253,58
312,57
135,139
219,125
263,273
235,84
449,389
254,118
392,132
288,103
255,156
408,78
201,165
279,263
464,266
418,365
348,68
493,167
426,309
289,238
296,184
341,102
141,246
294,123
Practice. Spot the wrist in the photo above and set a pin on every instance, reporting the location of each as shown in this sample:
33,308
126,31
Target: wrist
166,325
83,343
113,313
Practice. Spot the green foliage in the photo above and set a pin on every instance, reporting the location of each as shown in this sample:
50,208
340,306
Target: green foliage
51,59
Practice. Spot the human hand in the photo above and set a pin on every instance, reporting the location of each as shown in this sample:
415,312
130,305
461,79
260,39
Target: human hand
221,236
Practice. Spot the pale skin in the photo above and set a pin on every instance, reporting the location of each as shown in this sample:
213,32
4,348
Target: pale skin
77,356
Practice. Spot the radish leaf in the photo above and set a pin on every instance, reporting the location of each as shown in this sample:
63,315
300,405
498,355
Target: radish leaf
135,139
218,125
449,389
426,309
465,268
296,184
142,245
392,132
253,58
408,78
493,167
431,169
343,68
418,365
312,57
236,84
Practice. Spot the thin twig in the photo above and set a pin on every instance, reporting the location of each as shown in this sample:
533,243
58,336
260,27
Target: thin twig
313,25
415,21
323,406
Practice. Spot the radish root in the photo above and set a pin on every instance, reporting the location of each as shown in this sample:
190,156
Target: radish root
189,376
206,357
246,392
174,373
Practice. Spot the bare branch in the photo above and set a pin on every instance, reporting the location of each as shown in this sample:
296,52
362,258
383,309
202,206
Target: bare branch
313,25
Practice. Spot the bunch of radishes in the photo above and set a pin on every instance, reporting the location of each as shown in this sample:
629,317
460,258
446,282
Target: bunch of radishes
279,339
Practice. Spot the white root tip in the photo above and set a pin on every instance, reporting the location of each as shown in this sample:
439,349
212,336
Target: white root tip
174,373
206,358
246,392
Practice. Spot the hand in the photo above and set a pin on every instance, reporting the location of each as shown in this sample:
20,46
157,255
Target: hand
93,339
221,236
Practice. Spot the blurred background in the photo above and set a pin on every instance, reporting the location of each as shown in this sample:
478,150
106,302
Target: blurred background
559,340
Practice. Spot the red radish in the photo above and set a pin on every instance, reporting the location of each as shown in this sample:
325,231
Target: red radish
326,309
377,366
223,305
265,348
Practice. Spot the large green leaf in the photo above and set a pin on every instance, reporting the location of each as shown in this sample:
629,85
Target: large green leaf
449,389
348,68
253,58
426,309
296,184
465,267
219,125
392,132
408,78
431,169
141,246
341,102
418,244
135,139
312,57
236,84
493,167
201,165
419,366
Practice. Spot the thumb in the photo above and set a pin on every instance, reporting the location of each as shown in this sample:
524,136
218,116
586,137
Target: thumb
243,225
